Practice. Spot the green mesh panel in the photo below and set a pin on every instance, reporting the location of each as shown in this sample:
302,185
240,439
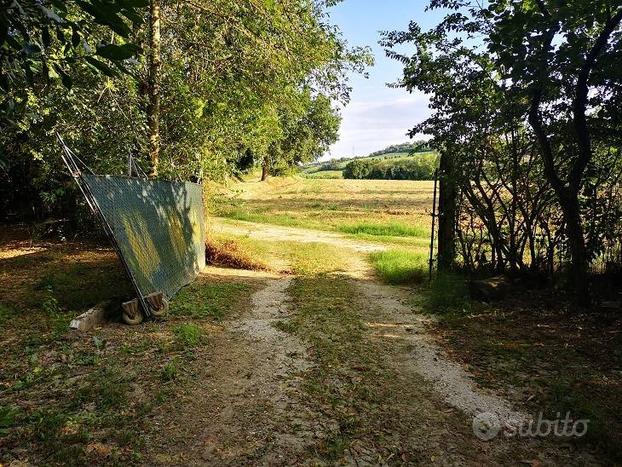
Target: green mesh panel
159,227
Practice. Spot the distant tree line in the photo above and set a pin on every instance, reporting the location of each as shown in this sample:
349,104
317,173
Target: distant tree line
528,126
419,167
415,146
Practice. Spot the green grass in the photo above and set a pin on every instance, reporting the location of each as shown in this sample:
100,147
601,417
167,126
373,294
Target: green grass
393,229
278,219
326,174
205,299
400,266
188,334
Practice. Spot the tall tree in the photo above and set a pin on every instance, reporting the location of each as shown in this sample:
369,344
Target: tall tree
519,88
558,55
155,71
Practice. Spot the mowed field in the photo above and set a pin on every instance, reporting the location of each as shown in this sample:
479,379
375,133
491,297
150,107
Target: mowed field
395,212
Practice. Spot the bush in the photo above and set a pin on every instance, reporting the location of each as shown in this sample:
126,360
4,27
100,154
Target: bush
419,167
357,169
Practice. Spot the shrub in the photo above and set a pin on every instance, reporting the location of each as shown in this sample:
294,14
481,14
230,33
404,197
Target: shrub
419,167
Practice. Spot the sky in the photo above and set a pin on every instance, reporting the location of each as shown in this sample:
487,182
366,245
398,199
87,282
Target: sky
378,116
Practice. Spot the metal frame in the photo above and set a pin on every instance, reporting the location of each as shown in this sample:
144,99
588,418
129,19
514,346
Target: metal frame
71,161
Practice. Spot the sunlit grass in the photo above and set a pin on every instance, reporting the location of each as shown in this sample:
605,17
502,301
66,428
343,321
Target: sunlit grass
400,266
326,174
325,204
393,229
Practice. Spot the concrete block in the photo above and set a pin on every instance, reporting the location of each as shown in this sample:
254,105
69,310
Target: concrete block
95,316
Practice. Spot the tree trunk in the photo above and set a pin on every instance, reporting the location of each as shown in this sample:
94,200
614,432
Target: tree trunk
264,169
446,214
578,250
155,65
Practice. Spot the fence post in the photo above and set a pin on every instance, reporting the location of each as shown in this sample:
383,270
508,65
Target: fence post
433,224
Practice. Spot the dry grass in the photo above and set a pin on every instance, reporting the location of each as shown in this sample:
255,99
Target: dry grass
327,204
231,254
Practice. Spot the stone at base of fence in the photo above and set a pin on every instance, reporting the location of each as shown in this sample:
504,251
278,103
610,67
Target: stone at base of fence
91,318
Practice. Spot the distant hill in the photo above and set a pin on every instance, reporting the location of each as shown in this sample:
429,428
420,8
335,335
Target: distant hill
415,146
396,155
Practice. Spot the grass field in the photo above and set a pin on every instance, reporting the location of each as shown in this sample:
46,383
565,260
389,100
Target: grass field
394,212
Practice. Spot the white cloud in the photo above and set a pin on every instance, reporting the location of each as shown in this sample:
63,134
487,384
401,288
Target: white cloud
370,125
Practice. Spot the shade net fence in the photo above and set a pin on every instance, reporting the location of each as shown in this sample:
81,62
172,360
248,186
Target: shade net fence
158,227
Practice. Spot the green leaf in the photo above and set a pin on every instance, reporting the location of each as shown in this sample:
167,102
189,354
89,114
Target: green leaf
103,15
117,52
64,77
100,66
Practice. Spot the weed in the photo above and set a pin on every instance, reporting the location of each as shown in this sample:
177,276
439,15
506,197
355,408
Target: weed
400,266
188,334
170,370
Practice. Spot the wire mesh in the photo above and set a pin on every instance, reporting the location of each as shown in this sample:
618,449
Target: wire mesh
158,226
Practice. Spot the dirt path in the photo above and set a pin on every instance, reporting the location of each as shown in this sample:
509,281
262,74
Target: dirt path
246,403
243,405
388,305
394,318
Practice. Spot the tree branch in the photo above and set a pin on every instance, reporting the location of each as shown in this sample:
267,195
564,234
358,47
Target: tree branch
580,101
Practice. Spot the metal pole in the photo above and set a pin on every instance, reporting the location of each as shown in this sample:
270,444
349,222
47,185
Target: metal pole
433,224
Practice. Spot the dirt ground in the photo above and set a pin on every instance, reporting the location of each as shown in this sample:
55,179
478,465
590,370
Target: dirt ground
247,403
327,366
